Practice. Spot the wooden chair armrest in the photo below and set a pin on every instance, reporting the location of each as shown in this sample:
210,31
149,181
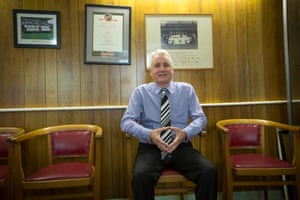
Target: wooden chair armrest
203,133
128,135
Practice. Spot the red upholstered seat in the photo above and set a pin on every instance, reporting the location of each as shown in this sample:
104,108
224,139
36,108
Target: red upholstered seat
257,161
170,171
61,171
3,171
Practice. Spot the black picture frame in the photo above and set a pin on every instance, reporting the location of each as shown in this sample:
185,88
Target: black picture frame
36,29
107,35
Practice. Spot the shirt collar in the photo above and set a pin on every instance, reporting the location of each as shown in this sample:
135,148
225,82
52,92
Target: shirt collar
171,88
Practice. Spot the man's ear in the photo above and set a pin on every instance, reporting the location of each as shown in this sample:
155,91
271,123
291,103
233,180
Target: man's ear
150,72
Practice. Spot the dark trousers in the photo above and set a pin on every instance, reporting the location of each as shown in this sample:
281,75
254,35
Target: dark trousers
185,159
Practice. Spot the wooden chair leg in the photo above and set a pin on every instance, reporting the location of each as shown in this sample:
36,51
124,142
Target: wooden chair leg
181,196
265,193
229,190
297,190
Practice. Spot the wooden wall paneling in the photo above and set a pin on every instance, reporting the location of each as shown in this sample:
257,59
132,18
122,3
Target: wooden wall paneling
128,73
115,82
246,112
11,67
69,117
140,8
242,62
51,87
273,51
87,117
52,118
86,71
102,118
100,85
222,44
201,82
68,63
230,73
186,77
215,81
259,111
16,119
34,120
87,85
128,82
34,72
255,43
117,157
27,4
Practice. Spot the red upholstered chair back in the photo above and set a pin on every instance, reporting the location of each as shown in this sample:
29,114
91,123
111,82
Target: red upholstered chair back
6,132
244,135
4,154
3,144
6,158
68,143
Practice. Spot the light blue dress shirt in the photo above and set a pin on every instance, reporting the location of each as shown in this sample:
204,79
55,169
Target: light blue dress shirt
143,112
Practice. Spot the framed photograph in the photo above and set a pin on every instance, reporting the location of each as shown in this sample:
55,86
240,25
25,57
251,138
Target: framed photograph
36,29
107,35
188,39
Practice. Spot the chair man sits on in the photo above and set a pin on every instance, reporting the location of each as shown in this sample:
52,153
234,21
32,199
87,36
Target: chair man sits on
170,181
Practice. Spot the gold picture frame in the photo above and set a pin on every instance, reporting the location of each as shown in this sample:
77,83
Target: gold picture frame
188,38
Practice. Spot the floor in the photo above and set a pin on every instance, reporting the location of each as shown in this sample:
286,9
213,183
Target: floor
274,195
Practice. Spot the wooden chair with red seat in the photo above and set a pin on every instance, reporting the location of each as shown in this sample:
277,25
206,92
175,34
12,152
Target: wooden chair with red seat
170,181
6,169
251,134
68,158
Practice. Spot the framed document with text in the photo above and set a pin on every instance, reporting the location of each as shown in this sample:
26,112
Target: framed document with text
107,35
188,38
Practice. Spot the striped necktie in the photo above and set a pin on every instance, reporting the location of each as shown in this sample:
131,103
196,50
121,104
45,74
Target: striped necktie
165,118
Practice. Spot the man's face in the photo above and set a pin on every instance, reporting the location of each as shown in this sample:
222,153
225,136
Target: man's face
161,70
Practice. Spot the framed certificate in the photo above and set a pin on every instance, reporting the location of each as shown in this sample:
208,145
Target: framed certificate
107,35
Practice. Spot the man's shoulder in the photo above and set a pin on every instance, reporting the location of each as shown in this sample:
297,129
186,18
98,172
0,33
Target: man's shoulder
145,86
182,85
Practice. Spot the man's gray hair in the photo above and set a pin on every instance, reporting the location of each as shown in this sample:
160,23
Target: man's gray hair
161,52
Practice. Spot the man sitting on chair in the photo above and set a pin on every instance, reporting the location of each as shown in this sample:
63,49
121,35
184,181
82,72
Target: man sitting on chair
143,119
